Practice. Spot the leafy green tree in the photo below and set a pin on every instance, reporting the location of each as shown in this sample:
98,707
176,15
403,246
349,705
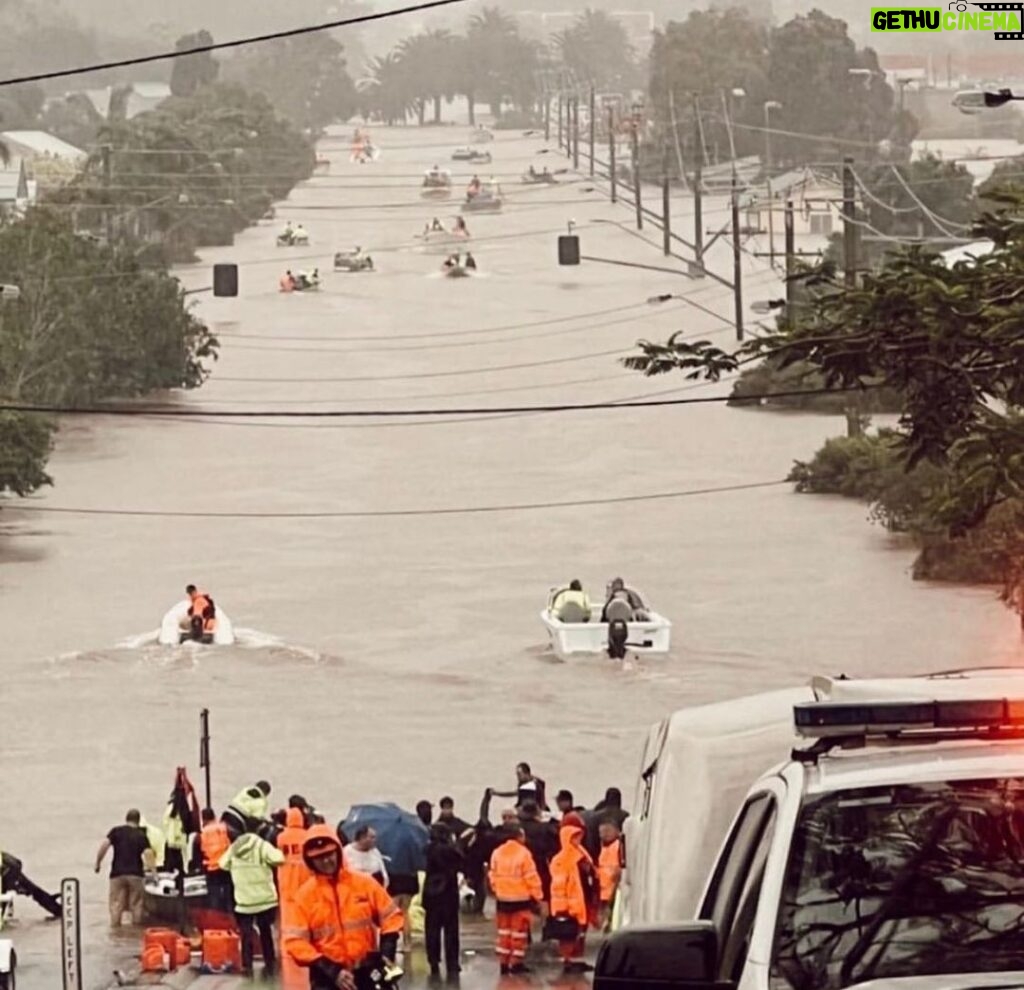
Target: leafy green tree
305,78
502,63
190,72
597,50
26,440
810,59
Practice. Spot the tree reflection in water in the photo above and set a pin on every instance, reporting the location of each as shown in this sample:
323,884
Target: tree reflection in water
906,880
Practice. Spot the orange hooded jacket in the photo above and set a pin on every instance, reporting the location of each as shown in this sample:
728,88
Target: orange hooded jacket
338,918
294,873
571,894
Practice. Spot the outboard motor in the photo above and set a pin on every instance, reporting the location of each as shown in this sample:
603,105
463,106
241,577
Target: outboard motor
618,633
13,878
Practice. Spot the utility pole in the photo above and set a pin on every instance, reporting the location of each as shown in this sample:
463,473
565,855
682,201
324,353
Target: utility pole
849,228
636,173
204,751
698,184
108,172
790,255
666,207
547,116
560,104
771,224
612,164
593,128
737,261
576,132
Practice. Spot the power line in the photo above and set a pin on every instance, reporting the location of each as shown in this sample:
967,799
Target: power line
222,45
186,414
406,513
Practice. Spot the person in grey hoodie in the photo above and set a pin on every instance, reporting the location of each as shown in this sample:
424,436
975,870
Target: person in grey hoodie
251,861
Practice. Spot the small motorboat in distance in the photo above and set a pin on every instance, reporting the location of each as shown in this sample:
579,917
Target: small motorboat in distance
175,630
437,184
471,155
483,197
356,260
571,630
534,178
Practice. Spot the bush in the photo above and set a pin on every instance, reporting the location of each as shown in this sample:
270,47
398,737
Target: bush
769,377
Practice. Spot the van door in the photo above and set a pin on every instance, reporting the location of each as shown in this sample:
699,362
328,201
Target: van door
733,894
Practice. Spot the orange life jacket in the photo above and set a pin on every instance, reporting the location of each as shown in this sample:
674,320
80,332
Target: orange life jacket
609,868
513,874
214,842
201,602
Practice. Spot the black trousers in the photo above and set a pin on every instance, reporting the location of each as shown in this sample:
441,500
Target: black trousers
264,921
443,920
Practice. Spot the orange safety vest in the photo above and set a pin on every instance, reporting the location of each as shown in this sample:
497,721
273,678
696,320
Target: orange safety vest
294,873
609,868
338,918
214,842
513,874
568,895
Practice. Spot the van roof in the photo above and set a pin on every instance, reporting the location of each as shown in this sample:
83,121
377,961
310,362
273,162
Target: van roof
879,765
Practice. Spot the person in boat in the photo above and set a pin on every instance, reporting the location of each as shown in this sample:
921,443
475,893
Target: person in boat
470,262
287,282
288,234
574,597
202,613
299,234
473,189
452,261
618,590
436,226
460,227
532,172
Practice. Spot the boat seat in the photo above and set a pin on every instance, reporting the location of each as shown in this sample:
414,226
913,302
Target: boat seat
618,610
572,612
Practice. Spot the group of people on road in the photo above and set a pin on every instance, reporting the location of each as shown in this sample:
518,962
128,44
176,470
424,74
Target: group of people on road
572,603
340,905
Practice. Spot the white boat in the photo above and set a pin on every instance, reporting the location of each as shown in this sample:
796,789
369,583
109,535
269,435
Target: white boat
652,634
172,628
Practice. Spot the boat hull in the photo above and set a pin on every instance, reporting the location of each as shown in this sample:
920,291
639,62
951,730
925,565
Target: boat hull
567,638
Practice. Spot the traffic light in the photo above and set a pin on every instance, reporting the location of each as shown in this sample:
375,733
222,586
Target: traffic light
568,249
225,280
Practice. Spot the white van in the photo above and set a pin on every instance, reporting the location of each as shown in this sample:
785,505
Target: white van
887,851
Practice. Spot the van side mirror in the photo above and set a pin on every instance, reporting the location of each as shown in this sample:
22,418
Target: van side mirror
662,957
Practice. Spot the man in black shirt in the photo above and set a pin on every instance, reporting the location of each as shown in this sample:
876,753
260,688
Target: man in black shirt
129,842
448,817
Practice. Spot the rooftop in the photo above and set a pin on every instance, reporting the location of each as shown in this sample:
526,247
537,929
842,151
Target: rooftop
42,143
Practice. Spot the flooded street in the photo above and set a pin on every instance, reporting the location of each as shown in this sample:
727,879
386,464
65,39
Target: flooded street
392,647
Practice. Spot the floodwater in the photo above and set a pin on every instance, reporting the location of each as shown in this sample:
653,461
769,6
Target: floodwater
391,647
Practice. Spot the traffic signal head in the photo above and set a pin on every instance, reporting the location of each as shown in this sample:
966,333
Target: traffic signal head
568,249
225,280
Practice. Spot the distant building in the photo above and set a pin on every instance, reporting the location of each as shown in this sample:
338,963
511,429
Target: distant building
816,203
144,96
15,191
32,145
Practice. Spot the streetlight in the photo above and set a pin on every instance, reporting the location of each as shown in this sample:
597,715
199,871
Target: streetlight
769,106
971,101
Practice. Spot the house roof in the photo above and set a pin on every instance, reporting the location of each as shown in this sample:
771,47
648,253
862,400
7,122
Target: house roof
42,143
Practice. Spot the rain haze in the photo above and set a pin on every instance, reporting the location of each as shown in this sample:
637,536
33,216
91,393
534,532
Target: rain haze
397,344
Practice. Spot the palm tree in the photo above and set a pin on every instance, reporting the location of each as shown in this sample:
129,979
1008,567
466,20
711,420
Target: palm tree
597,49
494,45
387,91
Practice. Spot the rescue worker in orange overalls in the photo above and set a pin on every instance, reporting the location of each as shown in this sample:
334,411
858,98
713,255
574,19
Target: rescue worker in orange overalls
609,868
338,919
214,841
517,891
202,613
290,877
574,890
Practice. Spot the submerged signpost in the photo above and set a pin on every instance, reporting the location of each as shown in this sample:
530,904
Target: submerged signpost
71,934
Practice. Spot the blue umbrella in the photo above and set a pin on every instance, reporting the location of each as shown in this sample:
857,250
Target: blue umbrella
401,837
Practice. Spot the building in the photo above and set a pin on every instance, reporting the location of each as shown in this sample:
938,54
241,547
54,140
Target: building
15,190
144,96
817,203
33,145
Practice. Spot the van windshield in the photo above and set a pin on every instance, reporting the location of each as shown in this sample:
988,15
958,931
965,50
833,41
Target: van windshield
905,880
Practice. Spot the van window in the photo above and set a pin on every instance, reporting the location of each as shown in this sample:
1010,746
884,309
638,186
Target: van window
734,865
904,880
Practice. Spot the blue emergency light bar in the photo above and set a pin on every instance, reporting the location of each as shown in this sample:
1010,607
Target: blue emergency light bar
825,719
